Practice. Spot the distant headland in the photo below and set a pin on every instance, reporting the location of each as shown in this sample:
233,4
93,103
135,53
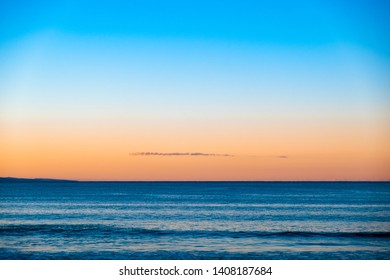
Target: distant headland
26,180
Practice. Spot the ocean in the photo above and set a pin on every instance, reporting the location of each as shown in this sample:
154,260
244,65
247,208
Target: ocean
194,220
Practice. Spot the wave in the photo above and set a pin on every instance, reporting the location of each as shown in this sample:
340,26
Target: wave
98,229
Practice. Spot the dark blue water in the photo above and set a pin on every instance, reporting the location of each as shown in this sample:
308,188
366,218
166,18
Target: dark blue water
204,220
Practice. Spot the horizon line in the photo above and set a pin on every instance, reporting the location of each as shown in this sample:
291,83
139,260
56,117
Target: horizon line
146,181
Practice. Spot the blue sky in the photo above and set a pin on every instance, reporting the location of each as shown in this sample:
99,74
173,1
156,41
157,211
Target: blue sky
306,51
298,23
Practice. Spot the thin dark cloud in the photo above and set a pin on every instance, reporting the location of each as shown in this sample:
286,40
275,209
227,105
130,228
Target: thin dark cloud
180,154
282,156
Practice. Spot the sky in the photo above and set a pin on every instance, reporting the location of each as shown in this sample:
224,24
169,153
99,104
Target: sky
195,90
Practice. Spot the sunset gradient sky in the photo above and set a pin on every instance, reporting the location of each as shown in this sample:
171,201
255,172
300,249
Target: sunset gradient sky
130,90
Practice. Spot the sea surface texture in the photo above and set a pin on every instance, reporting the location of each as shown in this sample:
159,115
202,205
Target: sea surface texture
194,220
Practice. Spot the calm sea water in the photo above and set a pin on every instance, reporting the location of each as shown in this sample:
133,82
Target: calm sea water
194,220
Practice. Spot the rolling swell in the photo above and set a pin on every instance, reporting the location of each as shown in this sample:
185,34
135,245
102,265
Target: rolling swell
96,229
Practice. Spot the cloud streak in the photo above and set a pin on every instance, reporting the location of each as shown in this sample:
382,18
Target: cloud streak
196,154
277,157
179,154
